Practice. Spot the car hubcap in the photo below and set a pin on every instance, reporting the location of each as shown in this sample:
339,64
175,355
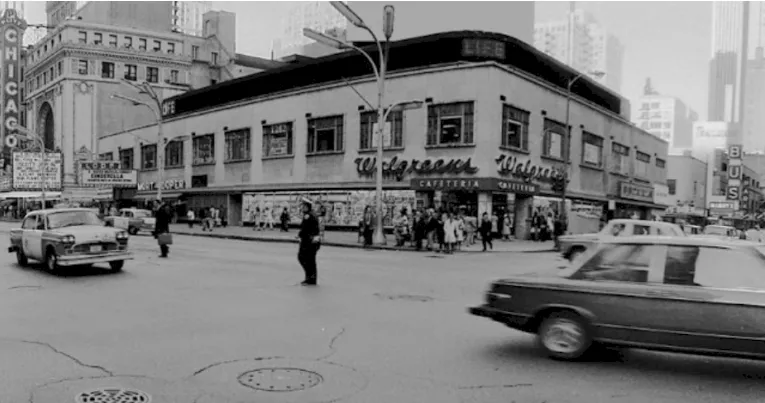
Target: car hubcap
563,337
51,262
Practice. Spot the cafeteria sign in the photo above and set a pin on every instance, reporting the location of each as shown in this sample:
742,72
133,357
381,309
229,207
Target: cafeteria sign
106,174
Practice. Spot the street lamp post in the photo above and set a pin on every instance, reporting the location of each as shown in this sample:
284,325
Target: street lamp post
567,143
353,18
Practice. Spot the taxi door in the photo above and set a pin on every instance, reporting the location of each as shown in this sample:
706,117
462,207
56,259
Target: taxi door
123,221
31,236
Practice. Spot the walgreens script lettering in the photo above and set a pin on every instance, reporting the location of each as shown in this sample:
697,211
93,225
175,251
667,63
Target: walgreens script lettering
525,170
402,167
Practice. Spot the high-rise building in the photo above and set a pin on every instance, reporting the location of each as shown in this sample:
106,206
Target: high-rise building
584,45
667,118
727,70
317,15
753,125
187,16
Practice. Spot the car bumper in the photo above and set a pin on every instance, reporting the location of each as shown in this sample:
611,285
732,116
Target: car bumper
78,260
516,321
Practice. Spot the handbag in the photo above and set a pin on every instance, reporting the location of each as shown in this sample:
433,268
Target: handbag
165,239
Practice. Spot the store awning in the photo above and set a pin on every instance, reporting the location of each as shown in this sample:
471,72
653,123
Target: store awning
29,195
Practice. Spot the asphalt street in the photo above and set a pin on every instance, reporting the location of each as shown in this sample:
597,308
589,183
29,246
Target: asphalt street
382,327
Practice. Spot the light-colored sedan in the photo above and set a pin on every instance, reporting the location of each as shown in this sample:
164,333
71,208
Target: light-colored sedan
573,246
132,220
68,237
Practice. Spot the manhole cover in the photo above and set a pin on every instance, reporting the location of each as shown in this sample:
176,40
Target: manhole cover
113,395
280,379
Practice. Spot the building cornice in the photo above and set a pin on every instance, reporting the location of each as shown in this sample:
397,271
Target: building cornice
106,52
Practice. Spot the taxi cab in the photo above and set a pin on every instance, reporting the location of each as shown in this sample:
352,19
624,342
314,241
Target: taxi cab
68,237
132,220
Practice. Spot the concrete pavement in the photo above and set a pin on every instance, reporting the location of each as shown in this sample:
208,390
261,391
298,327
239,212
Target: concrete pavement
346,239
381,327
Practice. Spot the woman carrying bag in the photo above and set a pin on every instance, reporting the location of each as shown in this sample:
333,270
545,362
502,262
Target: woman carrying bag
163,217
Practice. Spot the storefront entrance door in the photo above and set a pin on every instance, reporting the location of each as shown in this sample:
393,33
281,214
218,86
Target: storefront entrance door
460,200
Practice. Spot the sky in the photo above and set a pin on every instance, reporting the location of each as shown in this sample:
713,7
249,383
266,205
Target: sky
668,41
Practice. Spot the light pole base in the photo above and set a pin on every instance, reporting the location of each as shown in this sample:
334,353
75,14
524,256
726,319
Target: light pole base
379,237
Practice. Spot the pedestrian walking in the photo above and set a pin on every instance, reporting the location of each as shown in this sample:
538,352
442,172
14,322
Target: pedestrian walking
471,226
506,225
223,213
285,220
485,230
369,225
256,217
450,233
269,218
163,216
419,229
460,231
190,218
310,242
494,225
203,219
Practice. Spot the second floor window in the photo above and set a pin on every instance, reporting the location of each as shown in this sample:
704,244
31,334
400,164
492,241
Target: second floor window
325,134
141,44
552,143
621,158
393,135
660,163
204,149
82,37
195,52
126,158
450,124
98,38
237,145
515,128
149,156
152,74
277,140
107,70
131,72
82,67
592,150
174,154
642,161
113,41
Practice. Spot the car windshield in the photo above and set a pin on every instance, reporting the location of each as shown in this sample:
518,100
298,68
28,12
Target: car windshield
72,218
716,230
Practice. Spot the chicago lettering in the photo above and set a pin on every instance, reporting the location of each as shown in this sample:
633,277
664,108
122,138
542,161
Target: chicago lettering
400,168
12,30
511,165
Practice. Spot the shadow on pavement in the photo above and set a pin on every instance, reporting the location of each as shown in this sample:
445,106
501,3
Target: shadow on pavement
64,272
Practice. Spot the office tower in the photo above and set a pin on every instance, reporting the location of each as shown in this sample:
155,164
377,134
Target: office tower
666,117
587,47
727,70
754,104
187,16
317,15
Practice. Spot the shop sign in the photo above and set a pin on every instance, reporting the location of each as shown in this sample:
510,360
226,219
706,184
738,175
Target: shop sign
722,207
170,184
401,167
12,27
473,184
517,187
108,177
661,194
523,169
28,171
635,192
735,168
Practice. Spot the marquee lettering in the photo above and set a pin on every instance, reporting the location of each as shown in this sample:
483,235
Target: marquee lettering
400,167
525,170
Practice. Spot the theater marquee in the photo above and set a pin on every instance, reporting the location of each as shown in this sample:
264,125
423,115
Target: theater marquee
12,27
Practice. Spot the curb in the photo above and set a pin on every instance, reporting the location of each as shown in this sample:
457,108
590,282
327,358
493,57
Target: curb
332,244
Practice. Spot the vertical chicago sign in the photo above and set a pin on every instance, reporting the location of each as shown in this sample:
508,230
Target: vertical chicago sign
12,28
735,172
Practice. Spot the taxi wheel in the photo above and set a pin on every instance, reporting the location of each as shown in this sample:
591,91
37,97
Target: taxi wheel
117,265
564,336
132,230
21,258
51,261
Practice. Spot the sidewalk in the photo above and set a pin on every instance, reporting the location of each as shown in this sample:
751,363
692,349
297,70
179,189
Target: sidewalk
343,239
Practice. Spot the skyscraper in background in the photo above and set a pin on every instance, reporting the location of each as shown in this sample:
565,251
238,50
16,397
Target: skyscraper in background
187,16
588,47
317,15
727,70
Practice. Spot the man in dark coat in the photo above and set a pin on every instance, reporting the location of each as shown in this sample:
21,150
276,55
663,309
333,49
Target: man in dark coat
164,216
310,242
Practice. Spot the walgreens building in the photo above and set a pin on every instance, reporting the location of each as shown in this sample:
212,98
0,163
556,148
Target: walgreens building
488,139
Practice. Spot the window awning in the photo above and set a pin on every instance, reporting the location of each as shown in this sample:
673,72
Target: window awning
29,195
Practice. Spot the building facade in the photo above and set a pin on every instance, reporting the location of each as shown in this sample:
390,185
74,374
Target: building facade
317,15
754,103
727,70
488,142
710,136
665,117
687,180
718,203
188,16
71,75
592,47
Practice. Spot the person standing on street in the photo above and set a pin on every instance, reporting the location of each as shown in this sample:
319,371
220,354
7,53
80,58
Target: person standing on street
284,219
190,218
310,242
485,229
223,216
163,215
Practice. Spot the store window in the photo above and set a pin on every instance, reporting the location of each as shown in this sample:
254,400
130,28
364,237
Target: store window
552,144
592,150
621,158
642,161
107,70
204,149
515,128
237,145
174,154
131,72
149,156
450,124
152,74
277,140
325,135
394,138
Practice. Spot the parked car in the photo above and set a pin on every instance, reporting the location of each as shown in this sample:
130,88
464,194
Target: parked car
720,232
573,246
68,237
680,294
692,229
133,220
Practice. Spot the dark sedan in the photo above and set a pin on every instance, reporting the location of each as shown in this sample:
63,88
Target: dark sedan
681,294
